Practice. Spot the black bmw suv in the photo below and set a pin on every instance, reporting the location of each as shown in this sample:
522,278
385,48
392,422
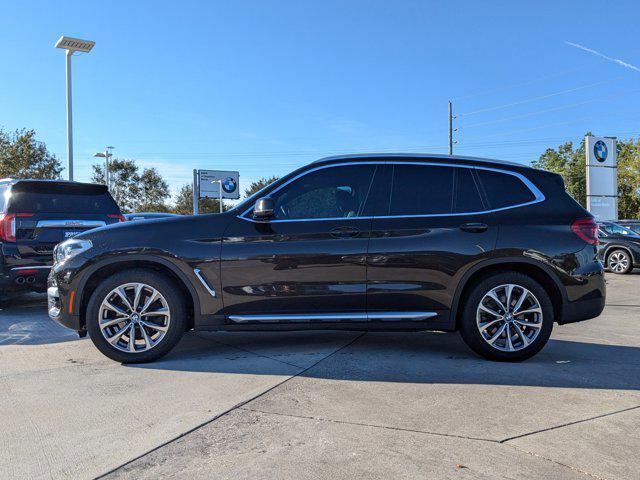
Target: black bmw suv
35,215
496,250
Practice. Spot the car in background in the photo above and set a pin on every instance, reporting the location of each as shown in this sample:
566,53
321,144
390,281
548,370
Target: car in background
499,251
36,215
131,217
619,248
630,224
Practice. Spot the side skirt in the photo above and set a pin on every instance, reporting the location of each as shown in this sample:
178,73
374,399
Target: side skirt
334,317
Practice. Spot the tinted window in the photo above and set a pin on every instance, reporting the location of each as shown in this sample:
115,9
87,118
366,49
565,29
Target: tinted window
504,190
334,192
467,197
60,198
421,189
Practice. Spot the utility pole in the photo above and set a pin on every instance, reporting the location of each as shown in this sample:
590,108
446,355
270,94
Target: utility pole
450,128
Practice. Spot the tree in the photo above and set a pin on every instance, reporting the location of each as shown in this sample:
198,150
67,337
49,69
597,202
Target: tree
258,185
571,164
22,156
184,203
629,179
130,189
154,190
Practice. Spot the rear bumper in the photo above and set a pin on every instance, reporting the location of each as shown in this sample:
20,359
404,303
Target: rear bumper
582,310
24,277
587,297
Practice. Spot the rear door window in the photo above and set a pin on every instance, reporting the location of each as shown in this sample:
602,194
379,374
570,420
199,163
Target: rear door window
467,197
421,190
504,190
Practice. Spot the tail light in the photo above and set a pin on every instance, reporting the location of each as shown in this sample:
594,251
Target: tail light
8,225
586,229
119,216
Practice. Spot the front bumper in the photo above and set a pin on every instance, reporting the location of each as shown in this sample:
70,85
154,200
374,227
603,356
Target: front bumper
58,313
61,299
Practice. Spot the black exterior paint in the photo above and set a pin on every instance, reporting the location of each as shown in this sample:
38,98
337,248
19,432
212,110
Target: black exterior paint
420,263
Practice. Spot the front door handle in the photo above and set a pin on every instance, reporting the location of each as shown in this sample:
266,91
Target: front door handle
344,232
474,227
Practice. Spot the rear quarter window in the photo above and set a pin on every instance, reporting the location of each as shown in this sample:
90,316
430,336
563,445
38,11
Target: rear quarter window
504,190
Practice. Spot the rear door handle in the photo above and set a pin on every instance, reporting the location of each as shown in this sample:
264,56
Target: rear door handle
344,232
474,227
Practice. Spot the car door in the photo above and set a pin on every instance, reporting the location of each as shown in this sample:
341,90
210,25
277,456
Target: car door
430,230
307,263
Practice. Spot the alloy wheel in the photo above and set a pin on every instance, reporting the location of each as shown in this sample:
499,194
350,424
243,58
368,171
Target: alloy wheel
509,317
134,317
618,261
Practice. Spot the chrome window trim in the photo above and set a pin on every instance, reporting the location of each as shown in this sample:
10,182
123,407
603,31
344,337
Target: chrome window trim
539,196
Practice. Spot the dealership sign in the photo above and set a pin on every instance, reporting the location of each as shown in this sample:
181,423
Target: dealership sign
602,177
210,182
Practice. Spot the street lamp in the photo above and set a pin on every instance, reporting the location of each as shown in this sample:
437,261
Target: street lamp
106,155
71,45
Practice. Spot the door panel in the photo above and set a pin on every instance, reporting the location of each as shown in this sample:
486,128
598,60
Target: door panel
310,257
294,267
416,263
423,240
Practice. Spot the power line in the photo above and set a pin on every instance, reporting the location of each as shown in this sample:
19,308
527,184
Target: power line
519,84
553,109
541,97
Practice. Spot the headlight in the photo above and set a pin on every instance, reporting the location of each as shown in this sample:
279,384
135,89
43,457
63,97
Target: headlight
70,248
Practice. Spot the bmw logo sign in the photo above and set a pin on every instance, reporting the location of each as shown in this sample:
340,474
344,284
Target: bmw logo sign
600,151
229,184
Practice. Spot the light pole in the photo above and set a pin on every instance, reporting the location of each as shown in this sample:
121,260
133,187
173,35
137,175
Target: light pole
106,155
71,45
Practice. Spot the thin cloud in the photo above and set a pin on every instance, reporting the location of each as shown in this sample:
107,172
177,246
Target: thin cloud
602,55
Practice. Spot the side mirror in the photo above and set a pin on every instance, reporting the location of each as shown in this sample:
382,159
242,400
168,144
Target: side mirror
264,209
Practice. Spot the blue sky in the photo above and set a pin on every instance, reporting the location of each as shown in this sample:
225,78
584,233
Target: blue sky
264,87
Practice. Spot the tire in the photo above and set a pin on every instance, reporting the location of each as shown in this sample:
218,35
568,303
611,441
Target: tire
508,345
619,261
157,326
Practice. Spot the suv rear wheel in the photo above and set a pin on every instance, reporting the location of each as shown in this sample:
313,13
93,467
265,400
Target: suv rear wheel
136,316
619,261
508,316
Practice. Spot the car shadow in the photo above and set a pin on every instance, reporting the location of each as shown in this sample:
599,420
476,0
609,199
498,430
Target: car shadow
24,321
426,357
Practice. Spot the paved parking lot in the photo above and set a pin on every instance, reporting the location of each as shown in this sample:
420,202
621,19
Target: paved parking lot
329,404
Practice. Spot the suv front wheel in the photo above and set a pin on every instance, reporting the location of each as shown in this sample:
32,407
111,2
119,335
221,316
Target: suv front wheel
508,316
136,316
